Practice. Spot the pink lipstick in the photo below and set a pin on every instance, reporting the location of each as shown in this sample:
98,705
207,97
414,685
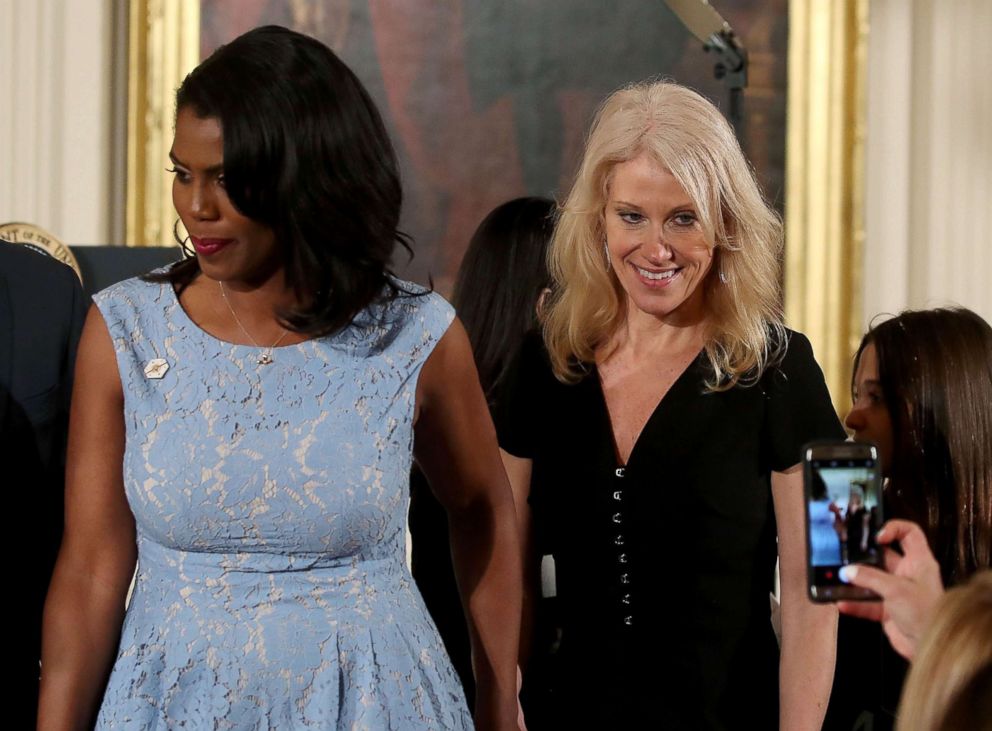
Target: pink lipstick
209,247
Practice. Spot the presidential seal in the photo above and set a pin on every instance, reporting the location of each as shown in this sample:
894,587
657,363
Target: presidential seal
41,241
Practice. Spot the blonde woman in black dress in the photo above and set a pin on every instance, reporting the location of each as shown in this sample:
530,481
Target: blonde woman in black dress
656,433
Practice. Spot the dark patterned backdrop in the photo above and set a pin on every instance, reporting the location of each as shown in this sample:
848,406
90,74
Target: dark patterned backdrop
487,100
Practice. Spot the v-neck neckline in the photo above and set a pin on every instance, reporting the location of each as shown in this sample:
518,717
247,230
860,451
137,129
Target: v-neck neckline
646,427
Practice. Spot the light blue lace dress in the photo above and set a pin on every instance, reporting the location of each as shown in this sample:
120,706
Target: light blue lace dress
270,501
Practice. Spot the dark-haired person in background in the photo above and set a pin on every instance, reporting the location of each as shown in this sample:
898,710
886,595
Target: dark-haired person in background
501,281
922,390
41,315
265,399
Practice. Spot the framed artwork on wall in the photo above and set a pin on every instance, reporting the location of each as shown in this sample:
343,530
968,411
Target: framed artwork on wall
486,101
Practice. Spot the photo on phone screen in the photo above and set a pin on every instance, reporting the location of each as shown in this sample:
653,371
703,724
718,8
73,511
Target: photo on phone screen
843,515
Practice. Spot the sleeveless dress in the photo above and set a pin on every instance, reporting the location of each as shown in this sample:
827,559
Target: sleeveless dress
270,503
824,542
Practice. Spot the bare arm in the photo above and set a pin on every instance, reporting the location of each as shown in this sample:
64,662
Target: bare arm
518,471
456,447
809,631
85,604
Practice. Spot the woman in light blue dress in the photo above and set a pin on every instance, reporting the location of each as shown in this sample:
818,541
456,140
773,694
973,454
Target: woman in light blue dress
824,539
265,398
824,524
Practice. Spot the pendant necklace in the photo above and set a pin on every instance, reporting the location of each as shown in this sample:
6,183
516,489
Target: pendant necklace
266,355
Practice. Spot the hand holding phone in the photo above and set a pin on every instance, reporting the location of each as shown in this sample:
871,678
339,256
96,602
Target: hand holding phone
843,493
910,587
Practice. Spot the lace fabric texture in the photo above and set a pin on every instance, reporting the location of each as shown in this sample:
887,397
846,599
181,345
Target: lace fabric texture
270,504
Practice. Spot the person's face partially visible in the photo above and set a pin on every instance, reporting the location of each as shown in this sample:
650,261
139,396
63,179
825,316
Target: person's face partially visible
869,417
230,247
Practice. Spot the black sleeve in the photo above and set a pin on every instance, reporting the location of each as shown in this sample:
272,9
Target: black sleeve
516,403
799,407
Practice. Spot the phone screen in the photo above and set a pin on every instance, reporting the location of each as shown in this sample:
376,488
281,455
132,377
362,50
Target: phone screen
844,513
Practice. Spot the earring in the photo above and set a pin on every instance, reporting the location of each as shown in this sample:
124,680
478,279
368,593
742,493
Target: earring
606,251
188,251
723,277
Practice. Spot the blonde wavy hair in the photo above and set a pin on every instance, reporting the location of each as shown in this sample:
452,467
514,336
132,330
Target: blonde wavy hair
955,649
687,135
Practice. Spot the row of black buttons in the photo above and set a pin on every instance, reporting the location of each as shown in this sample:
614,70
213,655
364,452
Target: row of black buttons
619,541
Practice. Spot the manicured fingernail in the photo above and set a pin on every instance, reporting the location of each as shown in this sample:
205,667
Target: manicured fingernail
847,573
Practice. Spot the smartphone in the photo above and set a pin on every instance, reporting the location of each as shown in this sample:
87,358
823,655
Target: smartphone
843,497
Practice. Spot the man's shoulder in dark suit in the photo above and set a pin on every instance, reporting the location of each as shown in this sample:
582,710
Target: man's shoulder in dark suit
41,315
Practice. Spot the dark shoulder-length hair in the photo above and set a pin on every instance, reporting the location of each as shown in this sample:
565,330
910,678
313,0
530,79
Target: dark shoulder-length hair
306,153
500,282
935,371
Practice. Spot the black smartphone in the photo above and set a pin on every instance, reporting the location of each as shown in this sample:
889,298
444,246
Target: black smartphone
843,488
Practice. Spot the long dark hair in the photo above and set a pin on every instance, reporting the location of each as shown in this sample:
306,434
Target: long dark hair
935,371
306,153
500,282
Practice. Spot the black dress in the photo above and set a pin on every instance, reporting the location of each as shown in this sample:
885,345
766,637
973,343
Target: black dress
867,681
663,565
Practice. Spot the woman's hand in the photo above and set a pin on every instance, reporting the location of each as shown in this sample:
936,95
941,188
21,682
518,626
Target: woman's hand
910,590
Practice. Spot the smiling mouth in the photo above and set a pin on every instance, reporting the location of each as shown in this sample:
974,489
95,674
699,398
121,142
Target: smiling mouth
661,276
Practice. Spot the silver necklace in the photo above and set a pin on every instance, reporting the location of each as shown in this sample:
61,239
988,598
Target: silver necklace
266,355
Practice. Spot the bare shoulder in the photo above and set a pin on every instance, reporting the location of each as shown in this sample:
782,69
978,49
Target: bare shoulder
97,514
449,368
455,440
96,359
